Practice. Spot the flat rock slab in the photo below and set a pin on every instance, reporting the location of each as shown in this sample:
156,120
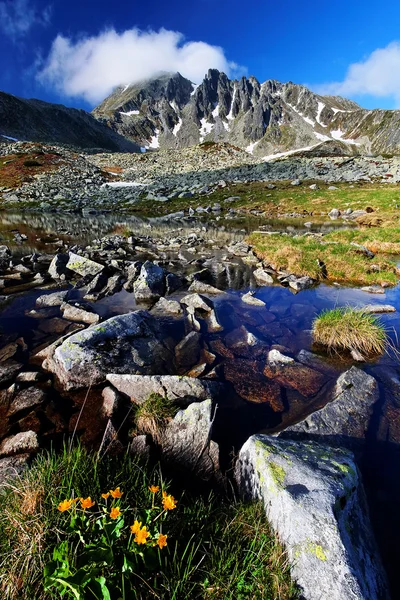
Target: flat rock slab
8,370
180,390
346,417
73,313
130,343
26,399
314,500
51,300
83,266
378,308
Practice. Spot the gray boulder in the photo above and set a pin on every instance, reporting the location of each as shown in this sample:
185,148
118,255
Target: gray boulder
346,417
83,266
73,313
315,502
50,300
130,343
150,285
179,390
26,441
199,307
186,441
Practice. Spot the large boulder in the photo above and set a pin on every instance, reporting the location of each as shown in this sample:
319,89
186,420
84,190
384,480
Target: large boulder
199,307
179,390
186,442
347,416
150,285
314,500
130,343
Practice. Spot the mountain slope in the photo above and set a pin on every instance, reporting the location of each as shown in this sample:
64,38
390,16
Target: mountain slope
39,121
171,112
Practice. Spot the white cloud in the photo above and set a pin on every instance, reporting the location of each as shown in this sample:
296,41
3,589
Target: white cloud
91,67
377,75
17,17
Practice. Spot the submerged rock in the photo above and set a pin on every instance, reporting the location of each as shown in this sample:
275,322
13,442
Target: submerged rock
315,501
292,374
130,343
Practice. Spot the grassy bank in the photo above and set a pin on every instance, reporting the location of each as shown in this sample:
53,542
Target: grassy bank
344,263
213,549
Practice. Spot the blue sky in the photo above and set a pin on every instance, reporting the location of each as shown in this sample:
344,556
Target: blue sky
74,52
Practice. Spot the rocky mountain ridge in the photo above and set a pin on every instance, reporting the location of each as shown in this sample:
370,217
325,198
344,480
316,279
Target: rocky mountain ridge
35,120
268,118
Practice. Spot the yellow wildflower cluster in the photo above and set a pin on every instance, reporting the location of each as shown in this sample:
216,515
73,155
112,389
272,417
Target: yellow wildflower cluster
140,532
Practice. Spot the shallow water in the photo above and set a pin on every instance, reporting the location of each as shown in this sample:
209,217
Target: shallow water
288,325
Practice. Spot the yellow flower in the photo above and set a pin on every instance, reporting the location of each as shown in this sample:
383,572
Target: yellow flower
136,527
87,502
105,496
116,493
169,502
65,505
142,535
154,489
115,513
162,540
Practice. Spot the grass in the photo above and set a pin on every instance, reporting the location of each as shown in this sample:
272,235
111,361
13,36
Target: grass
347,329
217,550
344,263
154,414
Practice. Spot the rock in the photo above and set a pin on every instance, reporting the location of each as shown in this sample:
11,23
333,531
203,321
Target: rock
179,390
313,186
295,182
334,213
8,351
333,187
150,284
315,502
187,352
28,377
315,362
167,306
126,343
141,446
133,273
200,307
289,373
262,277
186,441
346,417
301,283
111,402
250,384
26,441
362,250
12,466
73,313
8,370
172,283
244,343
51,300
249,298
373,289
58,266
96,285
27,398
199,287
53,326
83,266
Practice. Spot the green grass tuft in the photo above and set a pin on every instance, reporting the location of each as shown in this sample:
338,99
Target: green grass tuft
347,329
154,414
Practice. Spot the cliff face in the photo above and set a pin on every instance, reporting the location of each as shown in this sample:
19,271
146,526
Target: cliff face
171,112
39,121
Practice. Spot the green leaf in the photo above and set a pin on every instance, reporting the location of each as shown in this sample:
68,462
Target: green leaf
100,589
